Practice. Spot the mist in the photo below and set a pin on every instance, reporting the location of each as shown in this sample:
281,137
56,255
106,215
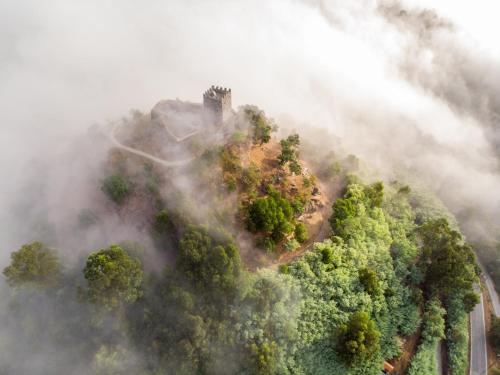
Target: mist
410,87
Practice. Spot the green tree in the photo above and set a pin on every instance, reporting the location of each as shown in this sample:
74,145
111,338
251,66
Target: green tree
375,194
116,188
343,209
358,339
289,153
291,245
327,255
33,265
250,177
264,356
449,263
369,279
494,334
433,321
300,232
210,260
162,222
424,361
113,277
470,299
262,127
272,215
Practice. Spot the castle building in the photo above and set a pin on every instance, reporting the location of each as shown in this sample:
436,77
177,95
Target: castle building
179,120
216,105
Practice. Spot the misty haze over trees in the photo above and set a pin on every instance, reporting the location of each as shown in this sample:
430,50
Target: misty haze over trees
334,213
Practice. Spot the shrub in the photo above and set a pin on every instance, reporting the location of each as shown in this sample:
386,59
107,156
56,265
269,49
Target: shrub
291,245
262,127
250,177
369,279
272,215
33,265
268,244
300,232
162,221
327,255
283,268
494,334
358,339
375,193
238,136
230,183
113,277
289,153
424,361
116,188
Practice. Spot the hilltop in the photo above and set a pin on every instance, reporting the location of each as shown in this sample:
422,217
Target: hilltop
249,250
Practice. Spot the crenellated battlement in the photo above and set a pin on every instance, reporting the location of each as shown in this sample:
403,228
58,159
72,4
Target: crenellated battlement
216,105
216,91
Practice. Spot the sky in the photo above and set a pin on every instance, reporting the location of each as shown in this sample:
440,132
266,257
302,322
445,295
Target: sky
410,83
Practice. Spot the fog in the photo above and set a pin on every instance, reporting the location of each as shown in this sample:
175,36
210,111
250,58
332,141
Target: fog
414,91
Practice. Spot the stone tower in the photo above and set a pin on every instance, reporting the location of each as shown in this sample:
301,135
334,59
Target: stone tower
216,105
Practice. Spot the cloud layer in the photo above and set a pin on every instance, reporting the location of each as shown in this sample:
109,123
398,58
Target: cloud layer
402,86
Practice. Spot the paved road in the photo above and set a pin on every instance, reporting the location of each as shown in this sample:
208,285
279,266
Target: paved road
492,292
166,163
478,355
439,357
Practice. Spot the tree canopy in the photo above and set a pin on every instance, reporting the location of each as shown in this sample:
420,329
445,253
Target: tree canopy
495,334
358,339
210,260
290,153
113,277
448,262
117,188
33,265
262,127
271,214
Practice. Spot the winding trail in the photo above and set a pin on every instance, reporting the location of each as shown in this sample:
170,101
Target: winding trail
165,163
324,230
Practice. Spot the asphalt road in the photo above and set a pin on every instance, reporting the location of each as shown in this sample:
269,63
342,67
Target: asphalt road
478,355
492,292
439,357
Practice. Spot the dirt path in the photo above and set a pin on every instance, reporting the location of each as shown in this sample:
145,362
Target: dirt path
321,235
329,193
166,163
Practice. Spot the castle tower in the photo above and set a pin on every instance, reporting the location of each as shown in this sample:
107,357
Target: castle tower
216,105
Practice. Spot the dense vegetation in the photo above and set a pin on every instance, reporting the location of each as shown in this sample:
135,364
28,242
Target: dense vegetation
392,266
424,362
33,264
113,277
450,271
337,309
290,154
495,333
117,188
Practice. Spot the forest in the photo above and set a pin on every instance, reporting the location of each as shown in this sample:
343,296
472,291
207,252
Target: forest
392,267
